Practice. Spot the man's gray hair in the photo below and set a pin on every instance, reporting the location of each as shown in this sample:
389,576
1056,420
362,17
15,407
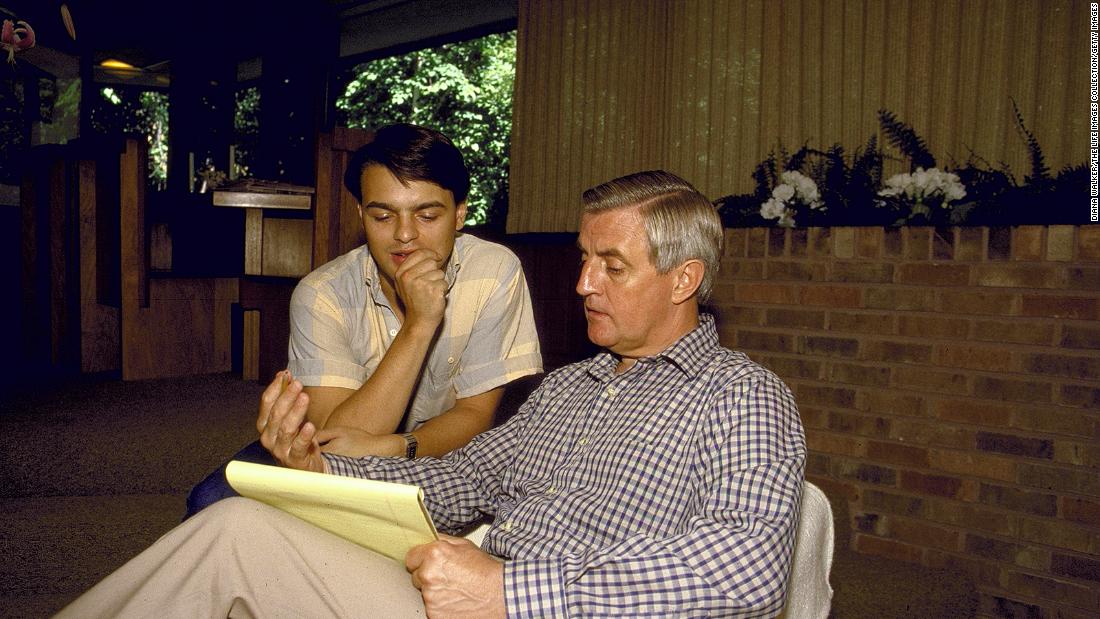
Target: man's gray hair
680,222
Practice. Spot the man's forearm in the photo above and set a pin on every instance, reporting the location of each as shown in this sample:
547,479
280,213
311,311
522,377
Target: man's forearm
379,404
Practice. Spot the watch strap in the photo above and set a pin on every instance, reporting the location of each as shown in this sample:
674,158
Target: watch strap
411,445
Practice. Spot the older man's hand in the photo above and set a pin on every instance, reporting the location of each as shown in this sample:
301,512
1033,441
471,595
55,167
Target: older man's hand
457,579
283,428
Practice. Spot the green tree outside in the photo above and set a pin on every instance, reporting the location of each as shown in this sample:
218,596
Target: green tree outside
464,90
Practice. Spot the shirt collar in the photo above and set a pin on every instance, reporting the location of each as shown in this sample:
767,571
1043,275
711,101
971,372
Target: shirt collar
690,353
450,271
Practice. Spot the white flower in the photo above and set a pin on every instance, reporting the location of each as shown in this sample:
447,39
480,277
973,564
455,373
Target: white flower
786,220
783,192
772,209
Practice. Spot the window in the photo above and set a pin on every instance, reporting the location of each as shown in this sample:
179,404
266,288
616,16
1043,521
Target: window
463,89
120,110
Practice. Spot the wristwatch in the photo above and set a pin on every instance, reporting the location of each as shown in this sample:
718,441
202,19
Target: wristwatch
410,445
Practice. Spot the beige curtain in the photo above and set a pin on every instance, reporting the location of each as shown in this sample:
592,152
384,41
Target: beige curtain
706,88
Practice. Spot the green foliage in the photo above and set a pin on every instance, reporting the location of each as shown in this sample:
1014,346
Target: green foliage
246,129
904,138
462,89
145,112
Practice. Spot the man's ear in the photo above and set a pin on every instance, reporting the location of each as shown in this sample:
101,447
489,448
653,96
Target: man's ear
460,215
689,276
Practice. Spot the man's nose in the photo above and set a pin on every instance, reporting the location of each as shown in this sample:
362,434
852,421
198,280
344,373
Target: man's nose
405,230
585,283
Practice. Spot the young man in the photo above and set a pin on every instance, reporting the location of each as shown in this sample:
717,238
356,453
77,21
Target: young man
661,478
404,345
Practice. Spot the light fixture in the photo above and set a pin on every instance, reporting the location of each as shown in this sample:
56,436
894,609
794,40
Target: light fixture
111,63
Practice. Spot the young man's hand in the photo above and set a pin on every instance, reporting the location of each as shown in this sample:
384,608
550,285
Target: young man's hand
422,288
283,428
457,579
356,443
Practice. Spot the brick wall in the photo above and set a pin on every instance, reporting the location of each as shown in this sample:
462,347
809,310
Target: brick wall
949,382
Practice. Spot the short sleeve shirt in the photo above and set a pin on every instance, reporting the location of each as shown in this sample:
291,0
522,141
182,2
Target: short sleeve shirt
341,326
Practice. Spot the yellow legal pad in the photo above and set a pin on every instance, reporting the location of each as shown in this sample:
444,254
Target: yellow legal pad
385,517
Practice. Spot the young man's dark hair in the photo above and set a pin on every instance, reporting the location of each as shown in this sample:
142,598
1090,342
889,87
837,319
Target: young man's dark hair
411,153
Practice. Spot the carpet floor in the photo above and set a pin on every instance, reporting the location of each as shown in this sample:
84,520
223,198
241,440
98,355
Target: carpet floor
95,471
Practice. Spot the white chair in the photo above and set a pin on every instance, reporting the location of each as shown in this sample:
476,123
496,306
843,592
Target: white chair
809,594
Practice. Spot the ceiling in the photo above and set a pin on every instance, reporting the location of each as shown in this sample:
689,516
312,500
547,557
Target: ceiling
149,34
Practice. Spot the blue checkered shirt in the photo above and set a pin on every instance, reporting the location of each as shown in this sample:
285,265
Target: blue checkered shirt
670,490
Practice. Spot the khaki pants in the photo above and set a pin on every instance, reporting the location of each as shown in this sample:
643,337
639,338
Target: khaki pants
241,558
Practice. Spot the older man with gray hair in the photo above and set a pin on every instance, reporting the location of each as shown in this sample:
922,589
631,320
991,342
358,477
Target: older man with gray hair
660,478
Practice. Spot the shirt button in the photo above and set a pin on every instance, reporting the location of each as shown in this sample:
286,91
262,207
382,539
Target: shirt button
582,442
508,526
393,331
612,392
450,360
552,490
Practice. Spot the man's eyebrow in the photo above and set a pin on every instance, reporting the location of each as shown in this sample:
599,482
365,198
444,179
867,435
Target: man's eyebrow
605,253
419,207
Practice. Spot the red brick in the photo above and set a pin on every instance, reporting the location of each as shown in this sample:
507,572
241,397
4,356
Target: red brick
793,367
938,485
813,417
798,319
1088,242
1036,503
987,303
821,242
844,240
828,346
817,464
918,243
921,432
974,412
829,442
799,241
973,464
992,605
999,246
851,322
1073,566
742,270
888,548
1083,278
1012,390
1085,511
933,327
973,517
1056,420
797,271
1011,552
1060,243
1021,446
933,274
780,294
1075,367
892,243
902,299
736,239
1048,588
756,242
1027,243
831,296
1020,276
758,340
861,272
923,534
741,316
852,374
1061,535
1078,395
982,572
931,380
865,522
890,403
860,425
971,245
1059,479
867,473
869,242
1080,454
896,352
974,357
943,243
1024,331
890,502
826,396
896,453
777,241
1081,308
1087,337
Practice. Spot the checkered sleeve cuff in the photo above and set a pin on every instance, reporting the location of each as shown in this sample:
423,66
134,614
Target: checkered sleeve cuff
534,588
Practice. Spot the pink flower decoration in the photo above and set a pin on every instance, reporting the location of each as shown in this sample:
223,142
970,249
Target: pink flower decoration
14,39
